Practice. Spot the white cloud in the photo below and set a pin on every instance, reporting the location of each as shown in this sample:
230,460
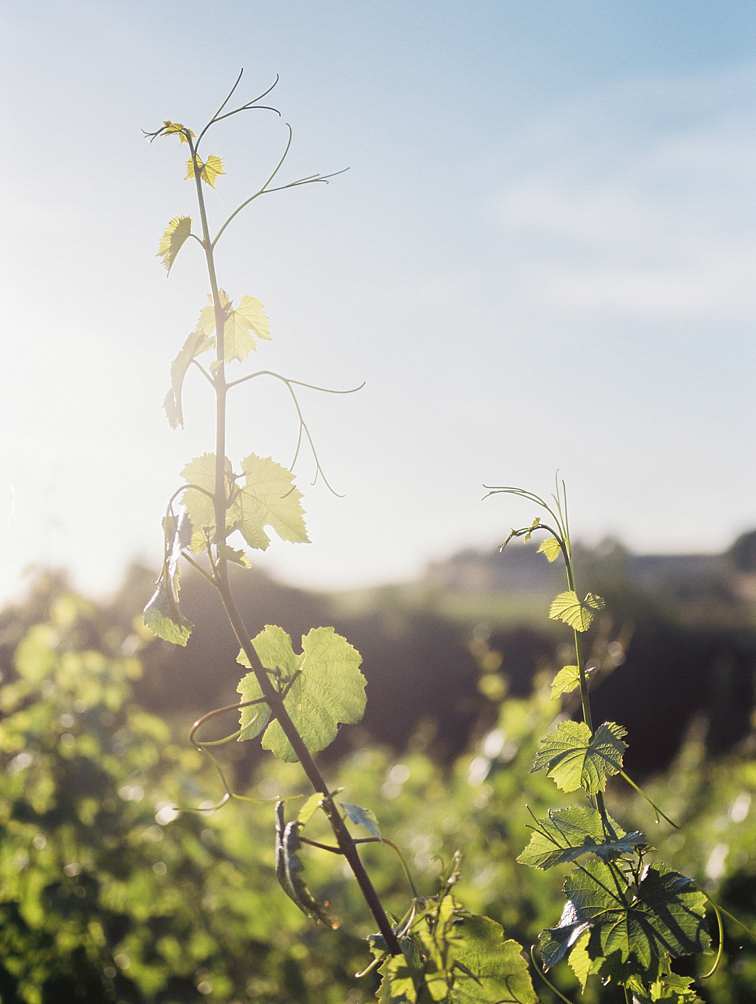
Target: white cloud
640,201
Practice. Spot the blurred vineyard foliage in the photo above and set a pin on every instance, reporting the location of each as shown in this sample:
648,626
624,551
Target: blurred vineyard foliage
107,893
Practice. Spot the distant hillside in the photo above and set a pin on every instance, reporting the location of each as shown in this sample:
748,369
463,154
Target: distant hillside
520,569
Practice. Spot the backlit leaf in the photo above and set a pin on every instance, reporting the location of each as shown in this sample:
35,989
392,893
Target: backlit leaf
568,608
457,958
324,687
171,128
208,170
242,325
176,233
312,804
551,548
267,498
199,504
566,680
575,760
568,833
162,614
195,344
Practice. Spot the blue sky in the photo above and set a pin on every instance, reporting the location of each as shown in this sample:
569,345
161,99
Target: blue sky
542,257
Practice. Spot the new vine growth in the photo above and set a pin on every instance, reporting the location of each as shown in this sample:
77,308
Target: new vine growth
296,701
625,918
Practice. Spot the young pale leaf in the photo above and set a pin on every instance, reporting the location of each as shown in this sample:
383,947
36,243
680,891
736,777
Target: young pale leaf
551,548
172,128
289,868
162,614
670,989
362,817
199,504
241,326
268,498
196,343
177,231
568,608
568,833
575,760
307,811
208,170
325,687
566,680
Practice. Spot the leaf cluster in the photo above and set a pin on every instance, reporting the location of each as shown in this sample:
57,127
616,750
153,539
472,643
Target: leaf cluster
624,920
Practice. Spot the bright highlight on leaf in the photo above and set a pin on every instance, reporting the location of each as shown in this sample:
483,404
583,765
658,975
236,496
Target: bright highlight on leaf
567,679
176,233
575,760
456,958
162,614
242,325
550,547
172,128
323,686
568,608
267,498
568,833
195,345
208,170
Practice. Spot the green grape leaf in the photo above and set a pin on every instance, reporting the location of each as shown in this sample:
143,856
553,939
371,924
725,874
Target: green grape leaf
566,680
267,498
580,960
557,941
457,958
669,989
208,170
201,472
323,686
196,343
529,531
312,804
568,833
575,760
551,548
162,614
176,233
362,817
241,325
171,128
666,917
289,868
568,608
237,555
488,969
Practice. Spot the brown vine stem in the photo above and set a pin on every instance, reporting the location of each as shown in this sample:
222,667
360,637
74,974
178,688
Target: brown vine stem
344,839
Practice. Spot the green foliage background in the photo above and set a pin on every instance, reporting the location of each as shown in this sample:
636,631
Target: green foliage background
108,894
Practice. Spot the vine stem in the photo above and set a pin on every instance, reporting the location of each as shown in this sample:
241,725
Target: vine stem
220,567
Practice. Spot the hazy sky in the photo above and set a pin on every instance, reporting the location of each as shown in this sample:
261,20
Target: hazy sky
543,256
